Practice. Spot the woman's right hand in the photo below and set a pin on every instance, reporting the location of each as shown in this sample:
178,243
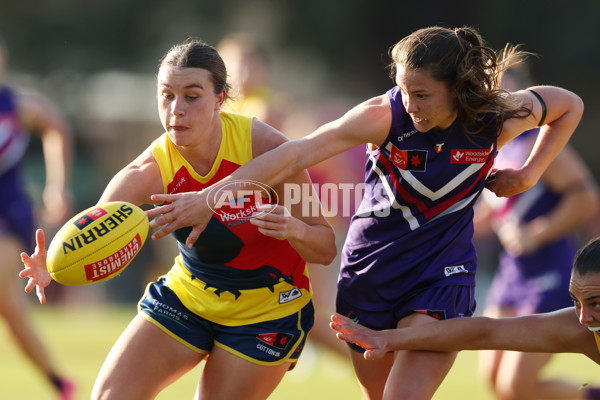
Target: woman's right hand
35,267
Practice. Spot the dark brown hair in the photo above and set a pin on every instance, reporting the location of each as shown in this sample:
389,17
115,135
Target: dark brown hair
587,258
197,54
460,58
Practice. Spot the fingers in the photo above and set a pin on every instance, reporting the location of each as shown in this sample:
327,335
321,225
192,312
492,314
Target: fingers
164,198
40,240
193,236
30,285
161,220
153,212
41,295
165,229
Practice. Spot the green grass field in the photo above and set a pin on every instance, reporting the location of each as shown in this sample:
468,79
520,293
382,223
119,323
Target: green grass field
81,338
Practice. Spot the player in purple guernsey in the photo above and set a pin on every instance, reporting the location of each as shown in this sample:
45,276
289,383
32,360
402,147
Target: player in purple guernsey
569,330
537,231
22,112
431,141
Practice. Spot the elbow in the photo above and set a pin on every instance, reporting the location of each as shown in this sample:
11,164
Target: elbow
580,106
327,252
331,249
326,256
330,255
577,106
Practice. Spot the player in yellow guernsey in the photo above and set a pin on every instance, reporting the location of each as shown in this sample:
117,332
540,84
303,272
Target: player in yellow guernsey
570,330
260,277
241,294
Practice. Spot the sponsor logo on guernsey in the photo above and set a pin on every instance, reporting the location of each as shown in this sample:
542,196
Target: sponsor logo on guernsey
91,235
469,156
278,340
115,262
455,269
407,135
286,297
411,160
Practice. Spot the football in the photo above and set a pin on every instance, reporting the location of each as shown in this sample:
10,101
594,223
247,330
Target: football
97,243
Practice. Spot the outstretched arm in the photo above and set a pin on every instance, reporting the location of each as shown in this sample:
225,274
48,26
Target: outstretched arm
134,184
556,332
368,122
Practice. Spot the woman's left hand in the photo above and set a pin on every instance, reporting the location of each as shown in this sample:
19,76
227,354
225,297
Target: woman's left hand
509,182
274,220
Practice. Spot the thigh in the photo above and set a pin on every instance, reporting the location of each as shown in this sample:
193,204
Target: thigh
372,375
518,373
490,360
417,374
143,361
227,376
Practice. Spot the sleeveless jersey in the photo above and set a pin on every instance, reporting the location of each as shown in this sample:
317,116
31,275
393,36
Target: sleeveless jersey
13,140
414,227
234,274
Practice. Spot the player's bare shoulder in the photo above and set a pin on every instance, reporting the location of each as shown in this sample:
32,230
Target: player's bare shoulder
372,119
265,138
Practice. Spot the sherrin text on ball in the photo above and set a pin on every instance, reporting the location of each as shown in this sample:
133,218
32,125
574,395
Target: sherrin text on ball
97,244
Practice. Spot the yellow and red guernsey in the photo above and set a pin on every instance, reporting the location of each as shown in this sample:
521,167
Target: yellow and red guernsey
234,275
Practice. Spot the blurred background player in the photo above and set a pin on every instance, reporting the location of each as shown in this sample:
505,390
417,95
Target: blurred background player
536,230
20,113
249,67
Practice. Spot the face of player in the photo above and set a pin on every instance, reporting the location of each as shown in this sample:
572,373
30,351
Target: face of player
428,101
187,104
585,292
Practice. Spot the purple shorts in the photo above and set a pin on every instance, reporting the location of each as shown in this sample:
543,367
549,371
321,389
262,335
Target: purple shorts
443,302
533,285
16,213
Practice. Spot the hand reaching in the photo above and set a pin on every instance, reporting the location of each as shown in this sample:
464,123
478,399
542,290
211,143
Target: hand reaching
184,209
374,342
35,267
